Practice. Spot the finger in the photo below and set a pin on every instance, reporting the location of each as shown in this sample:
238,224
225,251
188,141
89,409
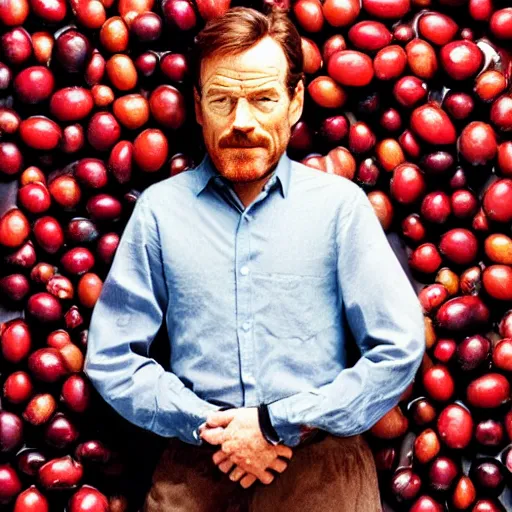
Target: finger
213,435
266,477
226,466
230,447
278,465
236,474
219,457
284,451
247,481
220,418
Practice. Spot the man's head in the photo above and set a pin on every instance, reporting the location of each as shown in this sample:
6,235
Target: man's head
249,90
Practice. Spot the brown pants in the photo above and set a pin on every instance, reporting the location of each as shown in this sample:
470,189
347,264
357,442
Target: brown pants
332,474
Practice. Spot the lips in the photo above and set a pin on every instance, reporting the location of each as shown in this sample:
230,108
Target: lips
241,146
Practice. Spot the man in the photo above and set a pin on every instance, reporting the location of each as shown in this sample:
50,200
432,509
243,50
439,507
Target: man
260,266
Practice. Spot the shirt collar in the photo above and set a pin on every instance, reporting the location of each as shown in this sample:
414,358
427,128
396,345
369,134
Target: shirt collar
206,171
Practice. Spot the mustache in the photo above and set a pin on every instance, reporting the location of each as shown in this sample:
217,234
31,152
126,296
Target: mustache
241,142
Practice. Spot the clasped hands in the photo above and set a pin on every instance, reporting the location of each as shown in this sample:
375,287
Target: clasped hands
244,453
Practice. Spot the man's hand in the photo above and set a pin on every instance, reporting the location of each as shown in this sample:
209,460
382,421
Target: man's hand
239,434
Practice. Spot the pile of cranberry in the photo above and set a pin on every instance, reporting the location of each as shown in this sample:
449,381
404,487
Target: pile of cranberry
411,99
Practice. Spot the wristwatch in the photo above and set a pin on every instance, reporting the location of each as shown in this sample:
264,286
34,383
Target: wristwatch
268,431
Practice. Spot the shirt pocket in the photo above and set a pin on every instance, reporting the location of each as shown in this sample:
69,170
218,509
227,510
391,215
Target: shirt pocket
292,306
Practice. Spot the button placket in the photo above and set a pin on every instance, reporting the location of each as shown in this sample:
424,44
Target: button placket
244,313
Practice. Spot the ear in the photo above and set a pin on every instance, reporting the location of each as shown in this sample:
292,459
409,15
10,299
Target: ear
197,107
296,104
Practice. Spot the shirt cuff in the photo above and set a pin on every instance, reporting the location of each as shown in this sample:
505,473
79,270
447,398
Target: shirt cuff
190,434
289,434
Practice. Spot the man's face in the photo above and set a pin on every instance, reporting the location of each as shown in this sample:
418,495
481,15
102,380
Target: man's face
245,110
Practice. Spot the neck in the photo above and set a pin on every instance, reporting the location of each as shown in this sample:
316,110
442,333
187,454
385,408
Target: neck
248,192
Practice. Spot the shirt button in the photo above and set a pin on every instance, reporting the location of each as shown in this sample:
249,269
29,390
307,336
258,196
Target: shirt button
246,326
244,270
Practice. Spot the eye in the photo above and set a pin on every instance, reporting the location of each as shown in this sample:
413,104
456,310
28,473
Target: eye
265,99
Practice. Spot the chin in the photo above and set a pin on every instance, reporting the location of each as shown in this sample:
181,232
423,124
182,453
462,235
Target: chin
239,168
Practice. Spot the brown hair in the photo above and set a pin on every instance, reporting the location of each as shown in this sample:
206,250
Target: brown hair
239,29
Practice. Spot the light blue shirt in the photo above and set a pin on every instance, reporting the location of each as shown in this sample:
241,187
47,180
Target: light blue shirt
256,302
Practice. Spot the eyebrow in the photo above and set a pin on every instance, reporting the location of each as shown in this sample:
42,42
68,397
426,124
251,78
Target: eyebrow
217,90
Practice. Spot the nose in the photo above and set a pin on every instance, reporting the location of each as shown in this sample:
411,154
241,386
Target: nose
244,120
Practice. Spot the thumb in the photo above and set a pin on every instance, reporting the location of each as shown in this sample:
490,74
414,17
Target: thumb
220,418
